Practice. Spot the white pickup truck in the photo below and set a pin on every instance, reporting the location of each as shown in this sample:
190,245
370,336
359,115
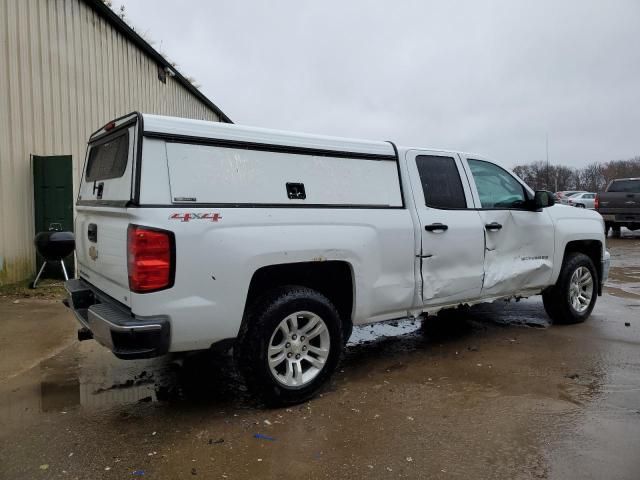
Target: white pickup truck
194,235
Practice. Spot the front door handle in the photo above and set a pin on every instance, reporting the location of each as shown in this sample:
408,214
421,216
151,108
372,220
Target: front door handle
493,226
434,227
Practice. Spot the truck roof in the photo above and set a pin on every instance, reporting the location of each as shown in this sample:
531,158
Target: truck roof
188,128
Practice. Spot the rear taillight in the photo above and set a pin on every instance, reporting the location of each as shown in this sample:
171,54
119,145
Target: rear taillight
151,259
596,202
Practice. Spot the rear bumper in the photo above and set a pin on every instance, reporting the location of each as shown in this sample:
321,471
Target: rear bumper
622,218
114,326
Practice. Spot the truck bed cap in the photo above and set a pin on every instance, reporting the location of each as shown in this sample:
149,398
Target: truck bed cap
173,127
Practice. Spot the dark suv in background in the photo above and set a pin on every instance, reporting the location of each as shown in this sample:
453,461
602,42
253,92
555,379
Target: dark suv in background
619,205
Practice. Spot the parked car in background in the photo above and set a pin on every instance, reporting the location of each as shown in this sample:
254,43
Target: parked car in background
619,205
582,200
563,196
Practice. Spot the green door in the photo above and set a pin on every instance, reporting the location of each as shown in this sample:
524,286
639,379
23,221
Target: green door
53,202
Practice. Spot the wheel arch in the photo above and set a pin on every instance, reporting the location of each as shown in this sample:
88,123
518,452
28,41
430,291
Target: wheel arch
592,249
332,278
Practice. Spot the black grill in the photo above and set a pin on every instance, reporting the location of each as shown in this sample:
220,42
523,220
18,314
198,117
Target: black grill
53,246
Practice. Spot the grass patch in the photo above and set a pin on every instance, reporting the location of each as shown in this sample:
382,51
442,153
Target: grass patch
47,289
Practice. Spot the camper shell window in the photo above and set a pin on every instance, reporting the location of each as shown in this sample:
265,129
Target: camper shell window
108,159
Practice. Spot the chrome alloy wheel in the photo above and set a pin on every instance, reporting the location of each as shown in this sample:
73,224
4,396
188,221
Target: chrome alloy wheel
581,289
298,349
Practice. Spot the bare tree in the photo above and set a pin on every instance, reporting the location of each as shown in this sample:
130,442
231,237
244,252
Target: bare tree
594,177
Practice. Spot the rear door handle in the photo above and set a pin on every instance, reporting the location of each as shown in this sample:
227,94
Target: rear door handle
493,226
434,227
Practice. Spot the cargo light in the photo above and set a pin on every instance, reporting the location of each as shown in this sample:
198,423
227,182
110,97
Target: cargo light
150,259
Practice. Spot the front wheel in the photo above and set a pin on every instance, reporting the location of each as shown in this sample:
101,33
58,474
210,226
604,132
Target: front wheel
573,297
290,345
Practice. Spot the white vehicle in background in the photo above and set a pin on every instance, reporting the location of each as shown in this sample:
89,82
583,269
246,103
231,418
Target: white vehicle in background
582,200
564,198
194,235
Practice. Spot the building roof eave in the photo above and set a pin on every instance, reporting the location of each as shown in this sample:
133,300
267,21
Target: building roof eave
120,25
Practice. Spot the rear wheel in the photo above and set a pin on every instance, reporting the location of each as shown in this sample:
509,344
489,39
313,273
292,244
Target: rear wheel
290,345
580,205
573,297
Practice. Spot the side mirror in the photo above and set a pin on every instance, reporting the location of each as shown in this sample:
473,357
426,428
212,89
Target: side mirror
543,199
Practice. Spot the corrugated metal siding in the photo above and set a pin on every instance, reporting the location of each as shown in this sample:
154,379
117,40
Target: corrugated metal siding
65,72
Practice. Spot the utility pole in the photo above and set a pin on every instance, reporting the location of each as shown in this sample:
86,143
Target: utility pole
548,175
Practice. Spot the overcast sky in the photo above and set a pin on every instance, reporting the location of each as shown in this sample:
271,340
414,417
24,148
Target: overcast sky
491,77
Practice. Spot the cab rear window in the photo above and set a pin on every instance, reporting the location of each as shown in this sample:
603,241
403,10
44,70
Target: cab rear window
627,186
108,159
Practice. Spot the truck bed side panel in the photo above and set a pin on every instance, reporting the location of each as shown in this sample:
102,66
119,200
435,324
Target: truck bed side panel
216,260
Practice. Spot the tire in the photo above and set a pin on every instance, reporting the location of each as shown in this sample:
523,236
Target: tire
616,230
579,205
280,319
607,227
559,299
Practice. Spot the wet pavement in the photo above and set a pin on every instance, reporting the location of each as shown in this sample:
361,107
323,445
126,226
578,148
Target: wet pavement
493,393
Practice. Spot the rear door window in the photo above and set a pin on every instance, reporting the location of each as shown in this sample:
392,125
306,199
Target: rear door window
441,182
625,186
108,160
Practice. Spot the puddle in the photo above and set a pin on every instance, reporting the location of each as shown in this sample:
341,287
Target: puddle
478,380
86,375
624,275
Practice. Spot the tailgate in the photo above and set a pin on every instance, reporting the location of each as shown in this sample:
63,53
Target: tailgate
622,196
619,202
106,191
101,250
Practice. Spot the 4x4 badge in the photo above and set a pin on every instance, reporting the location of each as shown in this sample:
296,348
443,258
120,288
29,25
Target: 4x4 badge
186,217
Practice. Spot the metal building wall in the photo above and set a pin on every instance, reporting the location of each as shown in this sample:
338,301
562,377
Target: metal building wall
64,72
